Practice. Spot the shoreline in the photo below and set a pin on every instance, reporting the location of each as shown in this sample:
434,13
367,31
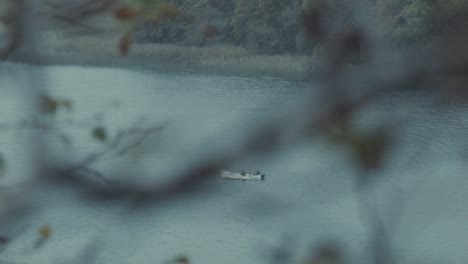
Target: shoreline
221,59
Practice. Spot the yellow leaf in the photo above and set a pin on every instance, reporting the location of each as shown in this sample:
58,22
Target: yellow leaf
44,232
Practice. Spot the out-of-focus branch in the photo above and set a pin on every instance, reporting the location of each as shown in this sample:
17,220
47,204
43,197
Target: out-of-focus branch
75,22
338,105
136,136
379,237
75,14
14,23
93,7
81,10
266,139
191,179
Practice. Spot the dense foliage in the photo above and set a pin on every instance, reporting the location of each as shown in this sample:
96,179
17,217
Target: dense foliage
420,20
275,26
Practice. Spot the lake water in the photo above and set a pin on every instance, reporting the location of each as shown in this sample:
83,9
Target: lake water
309,195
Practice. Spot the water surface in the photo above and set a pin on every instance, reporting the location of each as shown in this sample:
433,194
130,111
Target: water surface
309,195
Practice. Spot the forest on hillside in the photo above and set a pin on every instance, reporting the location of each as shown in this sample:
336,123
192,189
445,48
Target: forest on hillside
277,26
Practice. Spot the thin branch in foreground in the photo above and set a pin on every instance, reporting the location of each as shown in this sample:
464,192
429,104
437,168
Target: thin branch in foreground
113,146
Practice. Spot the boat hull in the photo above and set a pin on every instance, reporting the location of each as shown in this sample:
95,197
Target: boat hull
239,176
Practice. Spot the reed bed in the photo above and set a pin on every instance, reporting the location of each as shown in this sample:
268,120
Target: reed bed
222,57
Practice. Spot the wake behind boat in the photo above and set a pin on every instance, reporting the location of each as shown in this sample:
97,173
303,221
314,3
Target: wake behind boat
242,175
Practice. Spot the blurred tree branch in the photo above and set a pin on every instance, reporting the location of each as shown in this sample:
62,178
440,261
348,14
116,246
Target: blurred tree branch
331,117
14,22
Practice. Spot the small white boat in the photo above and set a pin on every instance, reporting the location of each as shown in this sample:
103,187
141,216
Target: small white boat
241,176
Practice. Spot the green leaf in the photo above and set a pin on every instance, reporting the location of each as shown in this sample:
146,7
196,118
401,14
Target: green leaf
44,232
99,133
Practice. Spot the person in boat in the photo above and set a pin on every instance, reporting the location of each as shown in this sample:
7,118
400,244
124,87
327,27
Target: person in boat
257,173
243,173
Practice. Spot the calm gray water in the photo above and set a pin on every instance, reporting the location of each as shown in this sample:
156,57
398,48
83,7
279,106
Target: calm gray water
307,198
